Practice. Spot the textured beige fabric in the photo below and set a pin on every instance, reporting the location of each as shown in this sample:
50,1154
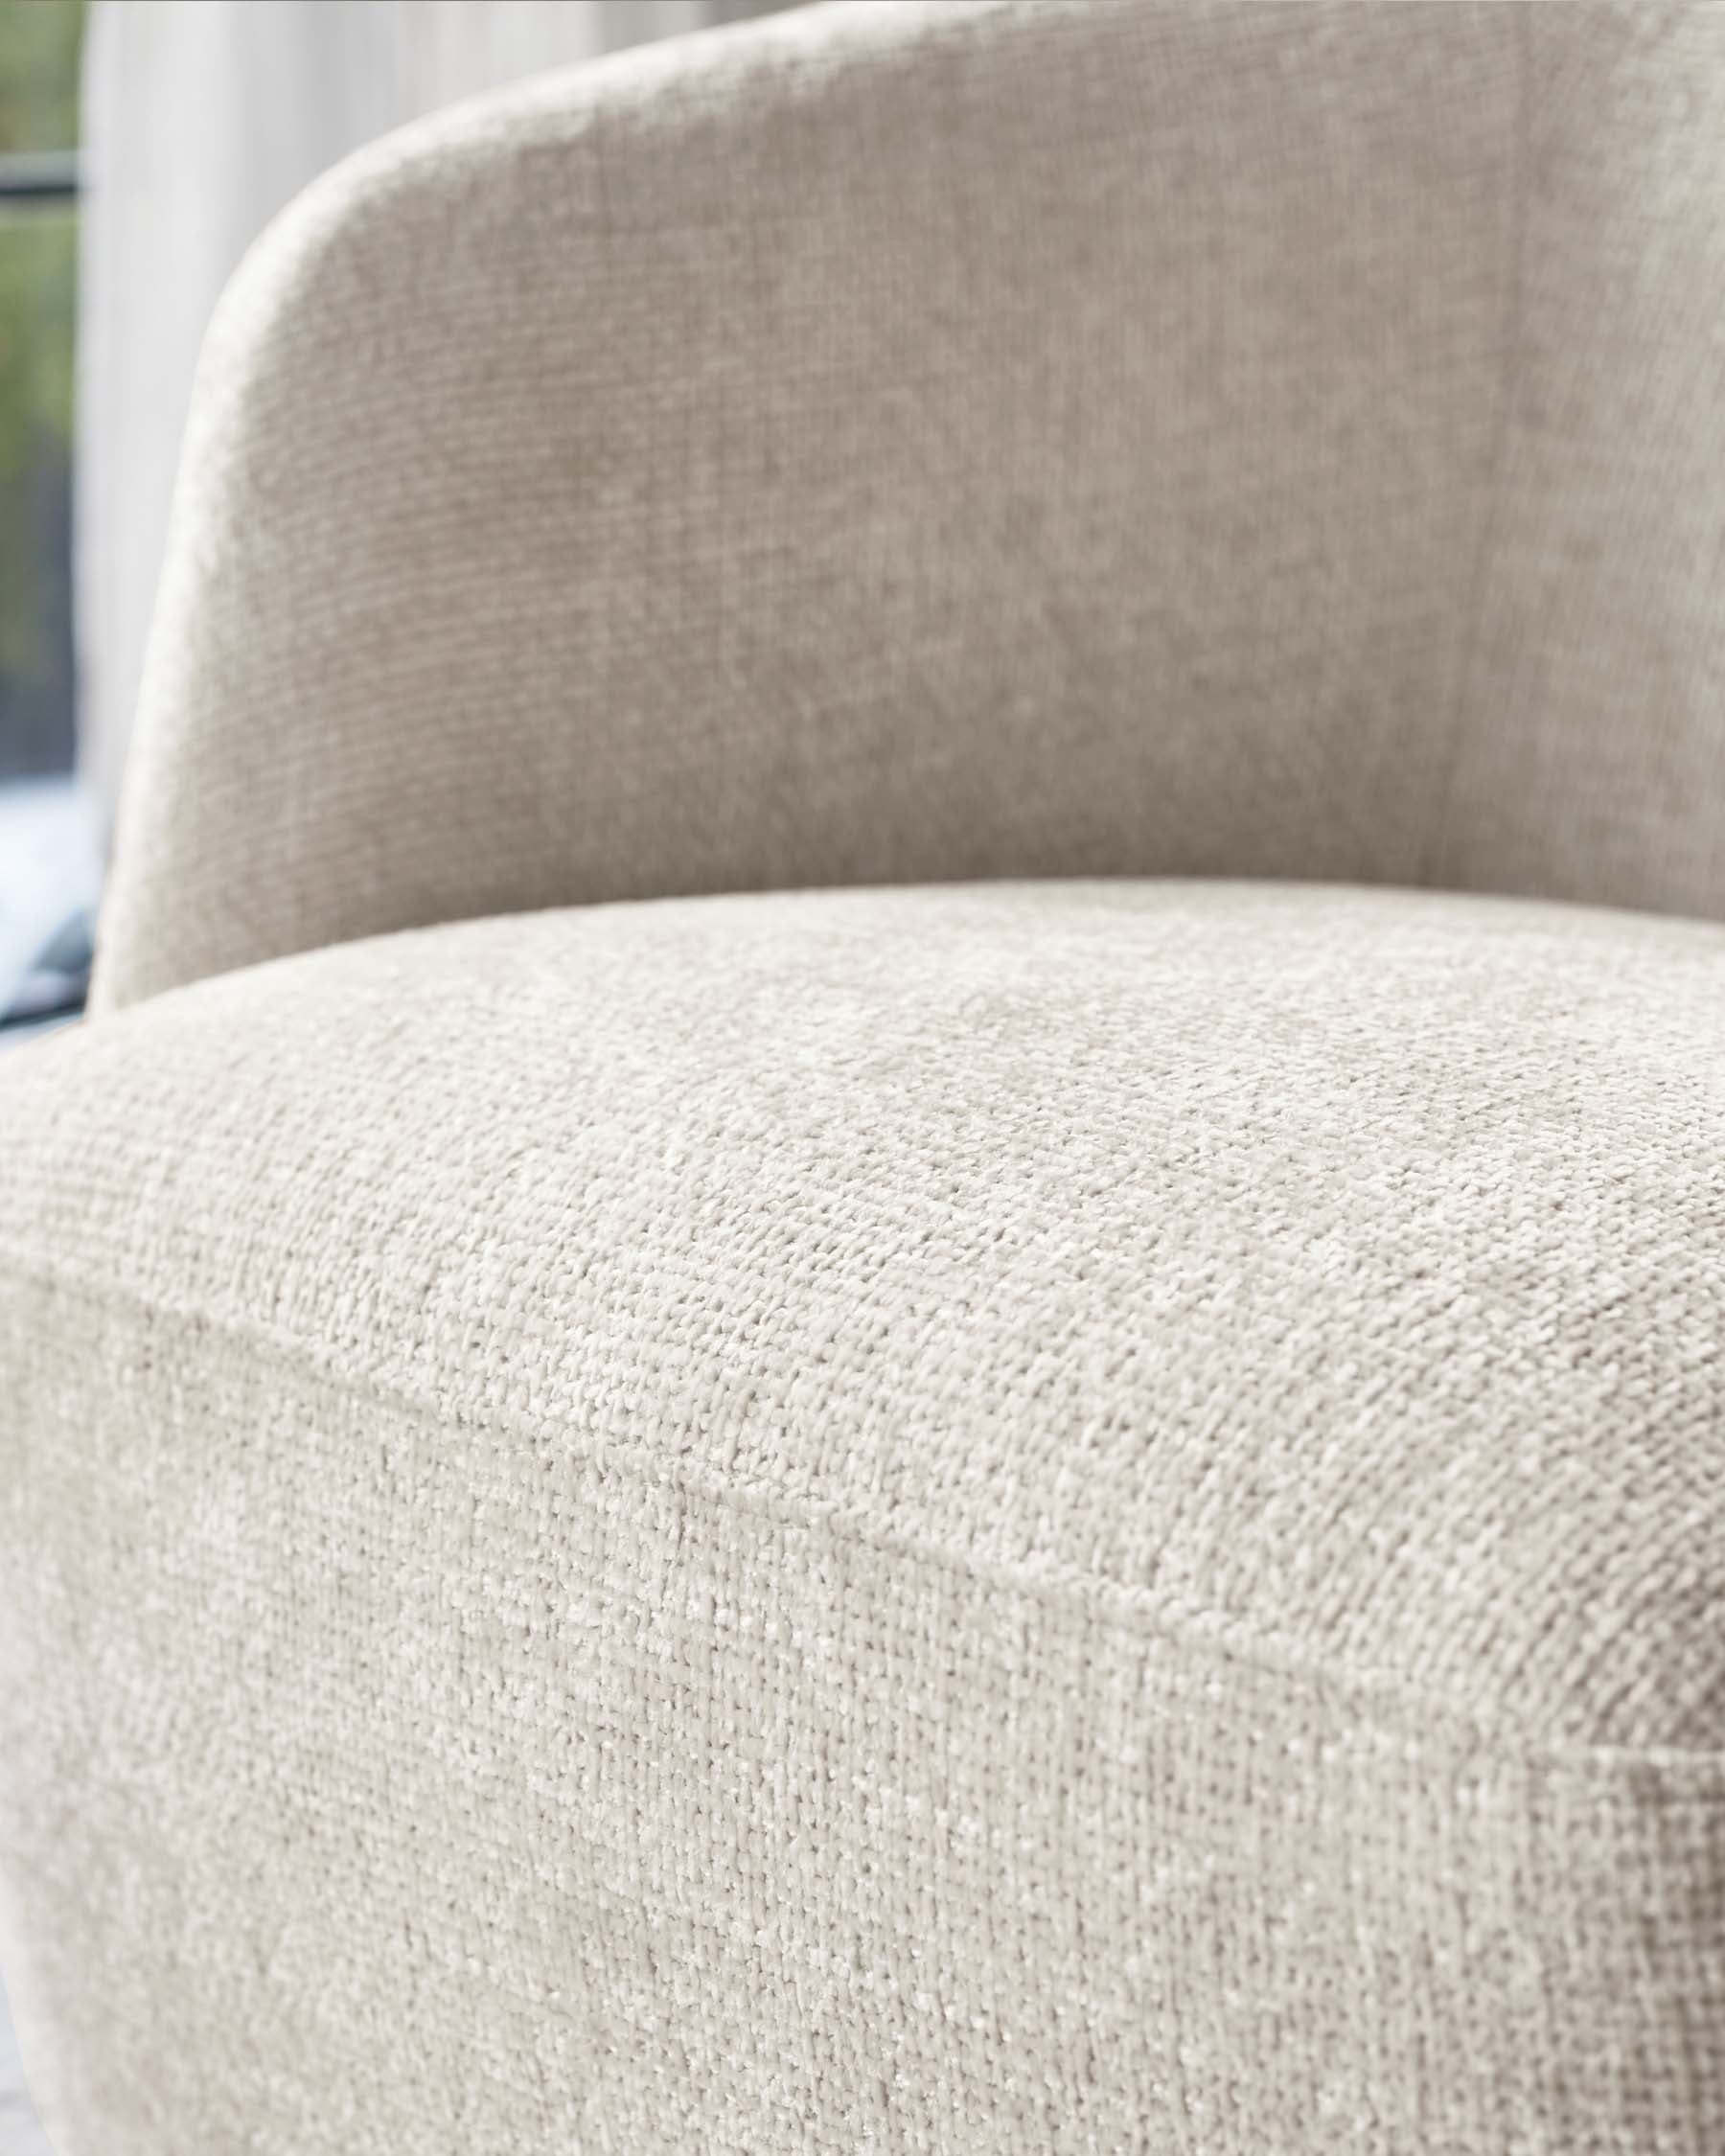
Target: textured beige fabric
1060,1516
198,122
923,442
1034,1518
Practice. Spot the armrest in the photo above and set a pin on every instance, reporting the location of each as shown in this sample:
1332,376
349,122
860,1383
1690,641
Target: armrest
881,443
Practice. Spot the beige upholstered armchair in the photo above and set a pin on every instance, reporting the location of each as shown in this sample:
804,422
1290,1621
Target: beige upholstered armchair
816,1354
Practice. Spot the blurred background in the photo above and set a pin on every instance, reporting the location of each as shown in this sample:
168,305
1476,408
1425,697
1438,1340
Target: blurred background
144,144
47,846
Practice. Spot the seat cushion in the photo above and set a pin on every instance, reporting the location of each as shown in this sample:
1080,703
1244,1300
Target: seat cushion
1075,1517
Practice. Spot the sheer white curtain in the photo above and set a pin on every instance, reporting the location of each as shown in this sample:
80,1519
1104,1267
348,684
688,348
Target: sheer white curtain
201,118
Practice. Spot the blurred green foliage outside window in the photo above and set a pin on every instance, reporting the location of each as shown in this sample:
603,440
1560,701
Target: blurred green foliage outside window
39,47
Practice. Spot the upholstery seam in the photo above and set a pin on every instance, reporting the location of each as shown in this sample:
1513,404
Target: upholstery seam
1113,1602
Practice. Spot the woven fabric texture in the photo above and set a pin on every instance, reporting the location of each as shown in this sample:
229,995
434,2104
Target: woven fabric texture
1076,1513
903,443
1052,1517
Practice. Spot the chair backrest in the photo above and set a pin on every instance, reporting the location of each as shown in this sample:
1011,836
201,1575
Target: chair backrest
902,442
